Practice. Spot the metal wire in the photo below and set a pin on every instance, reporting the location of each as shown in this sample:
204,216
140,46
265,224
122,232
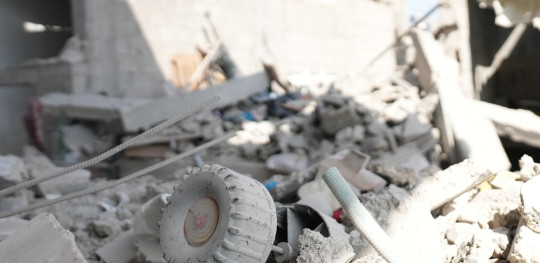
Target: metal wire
119,181
109,153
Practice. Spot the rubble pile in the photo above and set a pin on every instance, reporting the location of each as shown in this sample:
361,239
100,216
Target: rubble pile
424,166
382,141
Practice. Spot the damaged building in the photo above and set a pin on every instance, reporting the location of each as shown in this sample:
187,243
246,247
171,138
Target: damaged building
269,131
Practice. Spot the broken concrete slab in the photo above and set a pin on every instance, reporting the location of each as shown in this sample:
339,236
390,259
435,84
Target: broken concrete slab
9,225
42,239
529,207
140,114
230,92
524,248
492,208
89,106
65,184
446,185
468,131
518,125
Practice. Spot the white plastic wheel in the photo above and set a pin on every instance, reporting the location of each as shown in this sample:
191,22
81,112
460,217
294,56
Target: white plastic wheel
218,215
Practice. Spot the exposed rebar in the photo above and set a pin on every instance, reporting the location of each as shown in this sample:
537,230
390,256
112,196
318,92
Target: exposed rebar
119,181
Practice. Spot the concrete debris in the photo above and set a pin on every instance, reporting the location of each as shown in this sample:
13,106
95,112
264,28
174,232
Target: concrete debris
122,249
38,164
12,171
78,138
524,248
505,179
510,13
351,164
42,239
519,125
529,207
529,168
471,134
460,233
9,225
478,249
492,209
287,162
420,154
316,248
397,175
446,185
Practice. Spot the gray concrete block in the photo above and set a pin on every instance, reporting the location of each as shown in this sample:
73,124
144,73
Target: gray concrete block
42,240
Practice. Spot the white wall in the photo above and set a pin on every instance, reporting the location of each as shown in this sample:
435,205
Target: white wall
131,41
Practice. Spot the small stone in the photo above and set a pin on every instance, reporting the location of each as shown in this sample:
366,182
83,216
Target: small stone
528,167
460,233
358,133
502,242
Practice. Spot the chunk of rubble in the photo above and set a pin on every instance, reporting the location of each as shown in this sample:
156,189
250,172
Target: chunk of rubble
529,207
43,240
351,164
413,127
121,249
9,225
505,179
460,233
38,165
287,162
479,249
333,120
12,171
397,175
492,208
529,168
314,247
524,248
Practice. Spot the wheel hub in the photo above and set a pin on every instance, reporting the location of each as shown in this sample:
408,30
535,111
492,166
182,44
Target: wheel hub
201,221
